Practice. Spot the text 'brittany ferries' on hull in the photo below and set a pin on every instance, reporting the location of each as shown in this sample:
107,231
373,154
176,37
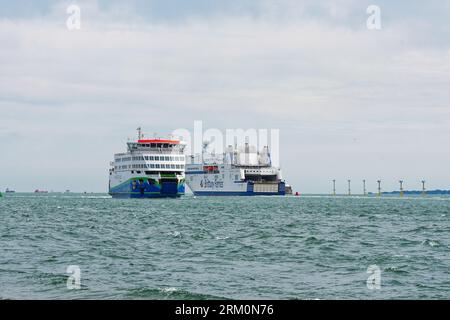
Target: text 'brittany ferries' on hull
149,169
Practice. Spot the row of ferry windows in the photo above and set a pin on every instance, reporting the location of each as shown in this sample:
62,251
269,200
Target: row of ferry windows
156,145
151,166
151,158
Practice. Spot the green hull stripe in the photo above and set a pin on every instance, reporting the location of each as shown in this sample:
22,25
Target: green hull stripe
145,179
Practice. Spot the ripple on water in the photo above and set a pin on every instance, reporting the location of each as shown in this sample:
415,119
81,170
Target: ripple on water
168,293
396,270
431,243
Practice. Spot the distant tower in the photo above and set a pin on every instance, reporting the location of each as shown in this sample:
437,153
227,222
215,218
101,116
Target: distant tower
424,192
364,187
401,188
334,187
139,130
379,188
349,189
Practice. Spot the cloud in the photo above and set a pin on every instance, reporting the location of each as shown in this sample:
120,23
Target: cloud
287,65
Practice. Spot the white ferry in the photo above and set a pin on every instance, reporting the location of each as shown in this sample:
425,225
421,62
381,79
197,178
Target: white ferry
243,172
149,169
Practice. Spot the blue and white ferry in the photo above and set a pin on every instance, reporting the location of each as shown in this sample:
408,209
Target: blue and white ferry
243,172
149,169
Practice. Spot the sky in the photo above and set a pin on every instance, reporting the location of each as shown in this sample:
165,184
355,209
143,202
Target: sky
350,102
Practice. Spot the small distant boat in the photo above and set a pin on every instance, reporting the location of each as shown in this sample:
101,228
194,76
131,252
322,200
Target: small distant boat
9,191
40,191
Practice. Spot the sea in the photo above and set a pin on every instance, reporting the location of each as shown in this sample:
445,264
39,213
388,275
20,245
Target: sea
89,246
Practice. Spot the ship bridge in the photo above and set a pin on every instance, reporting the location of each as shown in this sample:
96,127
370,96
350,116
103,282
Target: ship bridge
157,145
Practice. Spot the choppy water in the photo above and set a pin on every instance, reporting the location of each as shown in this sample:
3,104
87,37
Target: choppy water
237,248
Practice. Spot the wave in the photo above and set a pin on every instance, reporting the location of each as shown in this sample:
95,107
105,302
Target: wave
221,238
394,269
169,293
313,240
431,243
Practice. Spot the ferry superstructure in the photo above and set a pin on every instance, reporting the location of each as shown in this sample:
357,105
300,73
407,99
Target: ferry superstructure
241,172
151,168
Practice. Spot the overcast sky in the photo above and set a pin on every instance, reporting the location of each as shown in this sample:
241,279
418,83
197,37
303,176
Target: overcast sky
350,103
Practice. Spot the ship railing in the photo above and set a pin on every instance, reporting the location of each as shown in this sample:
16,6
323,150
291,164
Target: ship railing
157,151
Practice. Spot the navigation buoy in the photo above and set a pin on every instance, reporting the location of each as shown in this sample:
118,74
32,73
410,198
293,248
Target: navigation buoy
297,194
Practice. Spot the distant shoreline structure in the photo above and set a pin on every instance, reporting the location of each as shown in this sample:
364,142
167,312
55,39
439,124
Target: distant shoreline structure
417,192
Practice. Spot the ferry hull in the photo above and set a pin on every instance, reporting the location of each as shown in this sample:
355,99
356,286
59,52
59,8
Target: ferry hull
144,196
144,188
237,189
233,193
